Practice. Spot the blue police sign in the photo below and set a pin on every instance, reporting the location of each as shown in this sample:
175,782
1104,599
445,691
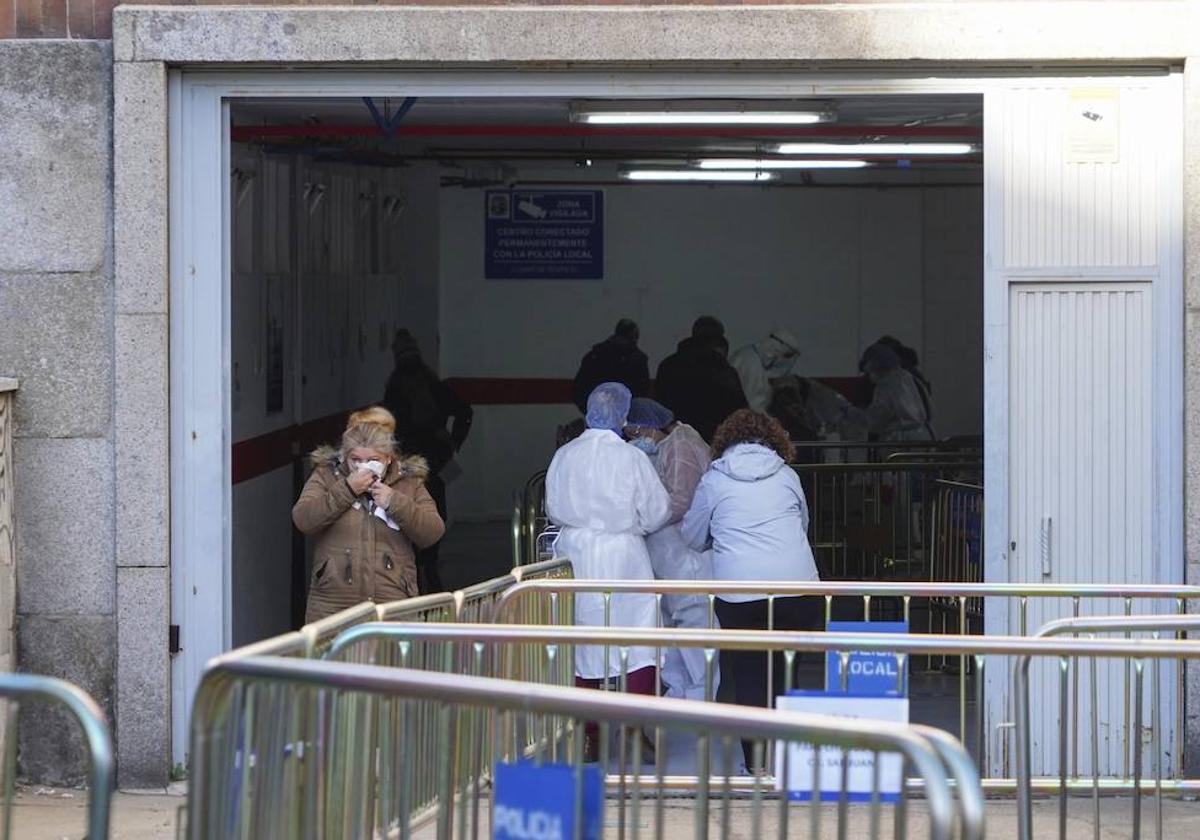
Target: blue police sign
544,234
538,802
868,673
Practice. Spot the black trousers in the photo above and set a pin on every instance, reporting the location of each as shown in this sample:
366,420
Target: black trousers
747,670
429,578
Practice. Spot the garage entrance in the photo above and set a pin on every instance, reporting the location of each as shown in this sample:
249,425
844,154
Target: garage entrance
837,221
334,237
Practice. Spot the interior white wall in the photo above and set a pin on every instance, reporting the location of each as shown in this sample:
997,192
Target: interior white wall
338,279
837,266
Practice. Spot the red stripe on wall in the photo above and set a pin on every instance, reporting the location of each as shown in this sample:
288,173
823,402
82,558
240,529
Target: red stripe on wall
271,451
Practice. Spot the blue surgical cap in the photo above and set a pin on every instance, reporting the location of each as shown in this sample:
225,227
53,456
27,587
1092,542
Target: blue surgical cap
608,406
650,414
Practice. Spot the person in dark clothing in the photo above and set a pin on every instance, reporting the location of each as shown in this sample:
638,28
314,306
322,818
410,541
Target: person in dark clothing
697,382
423,404
616,359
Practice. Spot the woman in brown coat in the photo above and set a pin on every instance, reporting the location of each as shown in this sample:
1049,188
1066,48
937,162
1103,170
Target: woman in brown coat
367,508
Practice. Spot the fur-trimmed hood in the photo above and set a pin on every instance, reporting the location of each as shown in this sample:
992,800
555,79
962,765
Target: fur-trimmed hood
411,466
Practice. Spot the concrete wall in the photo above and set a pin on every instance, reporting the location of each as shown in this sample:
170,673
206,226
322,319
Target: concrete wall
56,296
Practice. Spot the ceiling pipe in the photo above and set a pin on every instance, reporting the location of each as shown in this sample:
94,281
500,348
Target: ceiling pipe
270,132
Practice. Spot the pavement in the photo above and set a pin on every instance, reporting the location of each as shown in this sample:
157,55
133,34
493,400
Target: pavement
43,813
57,814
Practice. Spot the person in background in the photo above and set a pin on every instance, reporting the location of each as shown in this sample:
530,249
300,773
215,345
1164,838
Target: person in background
697,382
606,497
757,364
911,363
423,404
681,457
751,510
616,359
369,511
898,410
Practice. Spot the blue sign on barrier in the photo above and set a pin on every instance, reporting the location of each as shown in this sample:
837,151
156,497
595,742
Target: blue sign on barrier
538,802
868,672
544,235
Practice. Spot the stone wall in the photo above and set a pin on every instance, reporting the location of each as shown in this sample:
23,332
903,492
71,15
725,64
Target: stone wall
56,337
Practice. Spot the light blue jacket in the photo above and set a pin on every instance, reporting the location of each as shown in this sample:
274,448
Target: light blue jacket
751,508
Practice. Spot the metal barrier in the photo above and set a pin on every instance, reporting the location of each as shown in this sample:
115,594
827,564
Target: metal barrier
16,689
475,603
1071,714
243,729
552,602
533,517
866,601
871,521
504,645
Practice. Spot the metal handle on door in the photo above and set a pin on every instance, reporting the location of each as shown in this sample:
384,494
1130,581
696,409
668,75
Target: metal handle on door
1046,544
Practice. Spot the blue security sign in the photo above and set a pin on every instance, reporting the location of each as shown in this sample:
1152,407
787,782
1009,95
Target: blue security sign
868,673
544,234
537,802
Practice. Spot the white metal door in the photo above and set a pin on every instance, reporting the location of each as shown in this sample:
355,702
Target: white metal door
1084,283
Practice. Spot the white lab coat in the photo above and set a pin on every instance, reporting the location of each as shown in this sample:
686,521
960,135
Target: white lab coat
606,496
682,459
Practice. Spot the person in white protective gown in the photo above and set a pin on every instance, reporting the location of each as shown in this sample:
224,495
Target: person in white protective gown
899,410
757,364
681,458
606,497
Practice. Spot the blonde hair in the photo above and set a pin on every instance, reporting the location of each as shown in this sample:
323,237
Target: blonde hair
375,415
372,428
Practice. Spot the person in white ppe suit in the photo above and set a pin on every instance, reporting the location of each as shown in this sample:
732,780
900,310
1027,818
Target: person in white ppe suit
757,364
681,457
898,410
606,497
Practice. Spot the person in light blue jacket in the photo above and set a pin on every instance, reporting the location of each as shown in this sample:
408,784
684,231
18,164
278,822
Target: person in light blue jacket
751,509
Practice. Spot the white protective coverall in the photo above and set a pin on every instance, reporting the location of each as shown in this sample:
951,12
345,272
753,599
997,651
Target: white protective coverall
757,364
897,411
606,496
682,459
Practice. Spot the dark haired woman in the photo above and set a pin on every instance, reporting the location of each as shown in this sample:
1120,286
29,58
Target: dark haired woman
751,508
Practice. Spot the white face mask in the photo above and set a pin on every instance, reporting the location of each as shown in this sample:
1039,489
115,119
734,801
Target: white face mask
374,466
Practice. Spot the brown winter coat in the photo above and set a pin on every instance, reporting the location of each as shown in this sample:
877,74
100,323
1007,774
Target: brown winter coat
357,557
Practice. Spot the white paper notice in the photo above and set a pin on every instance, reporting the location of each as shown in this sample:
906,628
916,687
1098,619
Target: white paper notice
861,772
1092,127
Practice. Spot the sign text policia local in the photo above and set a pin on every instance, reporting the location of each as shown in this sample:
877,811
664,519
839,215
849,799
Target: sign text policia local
544,234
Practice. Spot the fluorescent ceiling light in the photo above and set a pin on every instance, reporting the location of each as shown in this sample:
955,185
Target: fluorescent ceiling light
700,117
694,175
876,149
756,164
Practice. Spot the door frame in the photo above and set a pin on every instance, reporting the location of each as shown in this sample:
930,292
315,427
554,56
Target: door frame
198,164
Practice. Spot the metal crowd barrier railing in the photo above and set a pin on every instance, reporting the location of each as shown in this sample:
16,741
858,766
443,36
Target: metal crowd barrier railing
1071,713
872,521
503,645
552,602
17,689
529,520
475,603
247,748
